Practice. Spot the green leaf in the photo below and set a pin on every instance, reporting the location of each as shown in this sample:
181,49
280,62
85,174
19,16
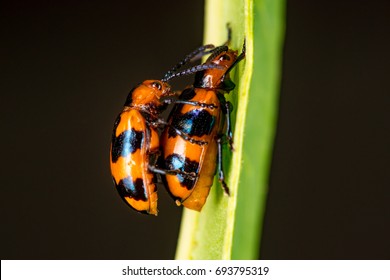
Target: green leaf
230,227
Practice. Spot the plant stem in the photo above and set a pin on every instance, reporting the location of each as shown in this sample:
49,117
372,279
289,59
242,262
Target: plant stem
230,227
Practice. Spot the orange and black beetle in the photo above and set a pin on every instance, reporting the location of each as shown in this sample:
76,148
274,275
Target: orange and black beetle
200,114
135,141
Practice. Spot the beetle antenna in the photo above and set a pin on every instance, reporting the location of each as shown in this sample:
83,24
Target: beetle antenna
192,70
196,54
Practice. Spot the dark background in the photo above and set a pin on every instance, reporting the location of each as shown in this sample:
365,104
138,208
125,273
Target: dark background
66,70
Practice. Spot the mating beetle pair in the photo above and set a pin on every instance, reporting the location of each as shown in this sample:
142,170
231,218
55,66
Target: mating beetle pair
191,143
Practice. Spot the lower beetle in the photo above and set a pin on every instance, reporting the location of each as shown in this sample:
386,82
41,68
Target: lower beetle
201,114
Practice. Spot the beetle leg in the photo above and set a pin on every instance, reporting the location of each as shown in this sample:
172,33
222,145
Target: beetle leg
188,138
193,103
221,175
229,133
183,135
191,176
200,104
153,168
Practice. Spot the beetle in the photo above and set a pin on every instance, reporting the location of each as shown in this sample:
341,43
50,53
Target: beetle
135,140
201,114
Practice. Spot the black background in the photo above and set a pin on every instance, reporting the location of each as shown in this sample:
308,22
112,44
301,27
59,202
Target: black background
66,69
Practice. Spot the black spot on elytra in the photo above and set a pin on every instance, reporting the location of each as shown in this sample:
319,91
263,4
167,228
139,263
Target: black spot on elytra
125,143
197,122
129,98
187,94
128,187
199,81
178,162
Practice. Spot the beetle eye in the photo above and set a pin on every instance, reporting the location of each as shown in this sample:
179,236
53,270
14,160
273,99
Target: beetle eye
157,85
224,57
